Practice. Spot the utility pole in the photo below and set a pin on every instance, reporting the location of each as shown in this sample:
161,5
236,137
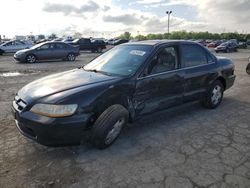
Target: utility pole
168,13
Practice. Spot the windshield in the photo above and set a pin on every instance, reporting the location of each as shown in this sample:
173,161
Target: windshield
224,44
121,60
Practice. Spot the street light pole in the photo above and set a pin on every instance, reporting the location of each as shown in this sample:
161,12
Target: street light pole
168,13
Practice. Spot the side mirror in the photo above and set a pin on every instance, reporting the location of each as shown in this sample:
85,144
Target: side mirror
249,59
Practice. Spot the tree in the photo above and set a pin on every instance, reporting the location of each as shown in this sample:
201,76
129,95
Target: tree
77,35
52,36
126,35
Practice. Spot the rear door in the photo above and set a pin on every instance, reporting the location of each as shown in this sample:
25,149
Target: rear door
20,45
161,86
9,47
200,69
63,50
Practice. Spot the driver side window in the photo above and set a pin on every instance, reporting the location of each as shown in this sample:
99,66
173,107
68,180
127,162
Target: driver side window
44,47
165,60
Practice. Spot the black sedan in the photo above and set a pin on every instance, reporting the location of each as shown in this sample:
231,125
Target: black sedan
48,51
226,47
130,80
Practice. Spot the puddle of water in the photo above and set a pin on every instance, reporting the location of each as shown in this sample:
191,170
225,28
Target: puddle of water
10,74
16,73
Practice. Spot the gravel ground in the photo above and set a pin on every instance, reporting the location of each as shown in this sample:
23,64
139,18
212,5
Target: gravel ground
184,147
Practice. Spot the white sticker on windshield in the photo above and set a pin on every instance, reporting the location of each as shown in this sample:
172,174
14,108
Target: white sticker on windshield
137,52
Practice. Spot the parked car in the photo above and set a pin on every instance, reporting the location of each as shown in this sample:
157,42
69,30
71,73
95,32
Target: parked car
86,44
128,81
48,51
248,41
248,67
242,45
13,46
68,40
226,47
120,41
214,44
201,41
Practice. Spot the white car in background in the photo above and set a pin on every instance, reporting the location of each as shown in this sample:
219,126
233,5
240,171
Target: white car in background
14,46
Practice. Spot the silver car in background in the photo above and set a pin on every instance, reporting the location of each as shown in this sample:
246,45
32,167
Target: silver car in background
48,51
14,45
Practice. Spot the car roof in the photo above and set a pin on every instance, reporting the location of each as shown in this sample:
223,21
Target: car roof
159,42
51,42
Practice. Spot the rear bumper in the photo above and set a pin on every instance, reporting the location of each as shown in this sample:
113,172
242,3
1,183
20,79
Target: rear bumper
52,131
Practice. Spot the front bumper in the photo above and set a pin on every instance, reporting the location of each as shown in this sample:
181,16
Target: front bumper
220,49
19,58
230,81
52,131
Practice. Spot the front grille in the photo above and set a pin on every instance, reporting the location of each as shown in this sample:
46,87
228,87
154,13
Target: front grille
19,104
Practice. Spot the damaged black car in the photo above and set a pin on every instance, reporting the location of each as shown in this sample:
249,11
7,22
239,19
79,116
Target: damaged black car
131,80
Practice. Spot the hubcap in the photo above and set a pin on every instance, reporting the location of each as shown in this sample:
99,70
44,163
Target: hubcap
71,57
114,132
216,94
31,59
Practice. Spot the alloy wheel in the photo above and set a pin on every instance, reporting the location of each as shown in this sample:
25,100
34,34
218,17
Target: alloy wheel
216,95
115,131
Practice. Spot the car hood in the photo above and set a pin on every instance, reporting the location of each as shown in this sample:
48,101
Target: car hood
22,51
56,83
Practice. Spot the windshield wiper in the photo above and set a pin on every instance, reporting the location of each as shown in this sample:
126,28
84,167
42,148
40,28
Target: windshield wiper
98,71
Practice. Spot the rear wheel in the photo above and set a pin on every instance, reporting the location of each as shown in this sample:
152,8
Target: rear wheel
71,57
108,126
214,95
30,58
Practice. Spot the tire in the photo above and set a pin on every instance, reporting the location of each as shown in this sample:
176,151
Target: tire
30,58
248,68
71,57
227,50
99,50
214,95
108,126
1,52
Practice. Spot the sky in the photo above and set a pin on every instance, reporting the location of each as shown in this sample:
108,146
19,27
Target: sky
110,18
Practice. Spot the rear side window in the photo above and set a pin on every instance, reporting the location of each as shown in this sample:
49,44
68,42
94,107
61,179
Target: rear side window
61,46
193,55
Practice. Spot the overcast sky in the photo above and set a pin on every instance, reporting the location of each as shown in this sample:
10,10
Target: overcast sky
111,17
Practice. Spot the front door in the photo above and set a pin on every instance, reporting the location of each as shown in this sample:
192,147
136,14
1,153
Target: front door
44,52
162,84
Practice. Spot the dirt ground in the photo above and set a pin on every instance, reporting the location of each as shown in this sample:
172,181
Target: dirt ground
184,147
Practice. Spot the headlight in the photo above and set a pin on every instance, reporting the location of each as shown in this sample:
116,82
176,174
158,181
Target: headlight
51,110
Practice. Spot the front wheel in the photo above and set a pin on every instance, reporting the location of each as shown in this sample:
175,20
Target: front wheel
248,68
71,57
1,52
214,95
108,126
99,50
31,58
